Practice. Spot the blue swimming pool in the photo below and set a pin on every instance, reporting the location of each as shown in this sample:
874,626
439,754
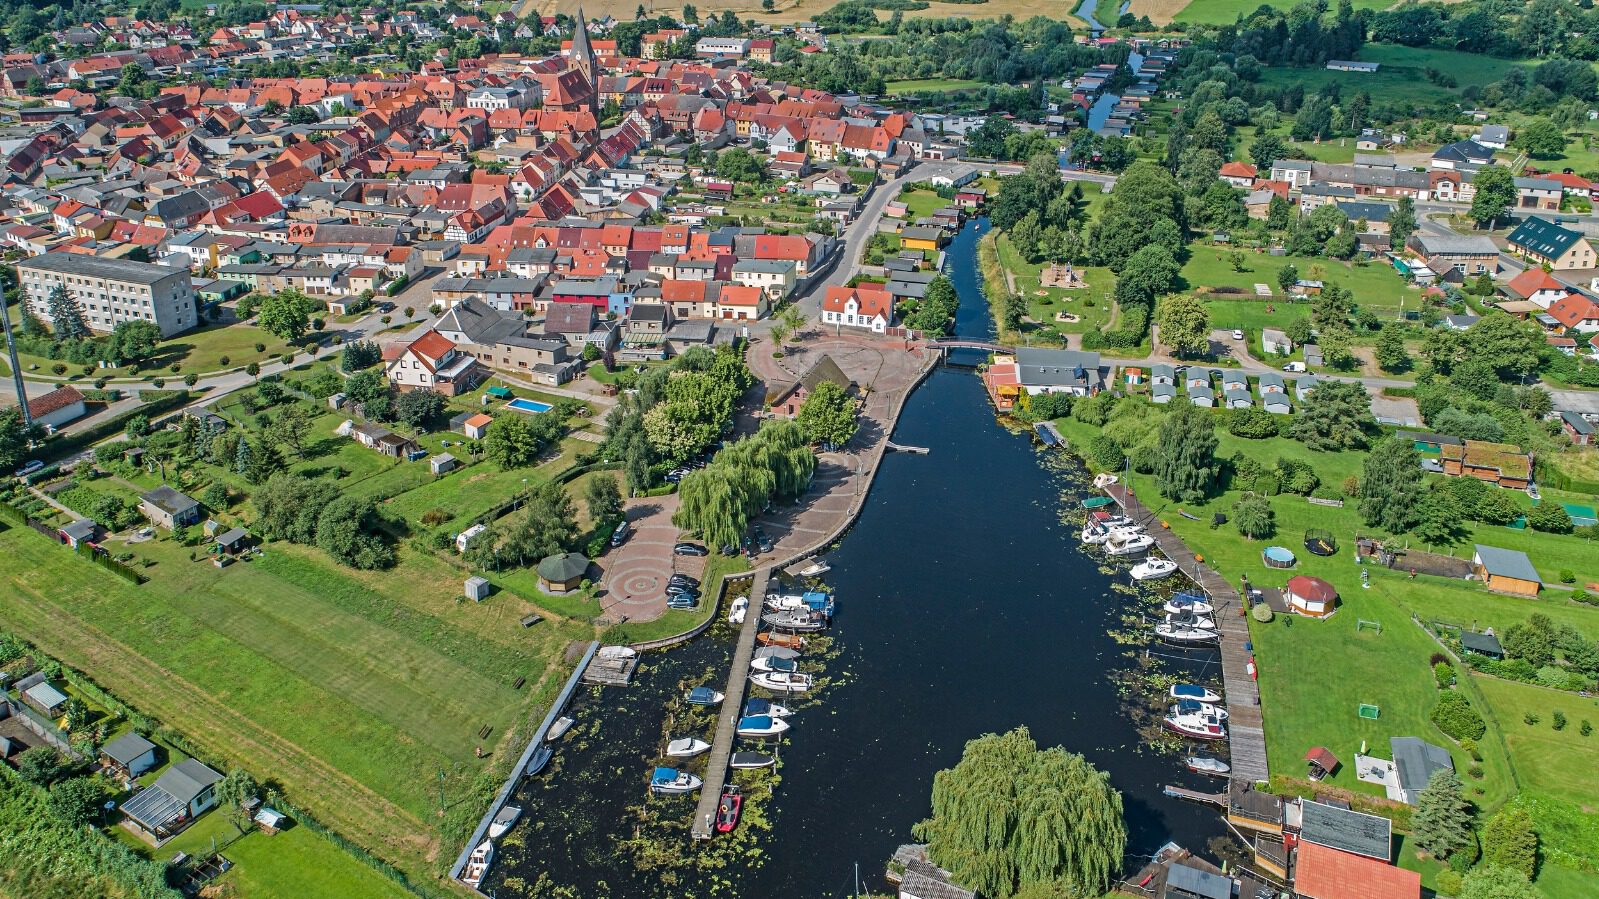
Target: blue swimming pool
525,405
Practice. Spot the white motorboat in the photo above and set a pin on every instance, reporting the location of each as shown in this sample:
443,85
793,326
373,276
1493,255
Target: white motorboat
1195,707
670,780
559,728
815,569
740,608
704,696
1194,692
782,681
686,747
761,726
477,864
616,653
796,620
541,757
774,663
758,706
1202,622
1154,569
504,820
1129,544
1204,764
785,602
1179,633
1195,725
1185,603
1104,480
1094,534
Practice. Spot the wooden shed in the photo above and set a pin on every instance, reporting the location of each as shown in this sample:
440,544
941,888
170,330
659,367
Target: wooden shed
1506,571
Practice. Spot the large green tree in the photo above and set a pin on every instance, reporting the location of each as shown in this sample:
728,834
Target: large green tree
1185,455
514,441
284,315
1512,346
1336,416
1145,195
133,341
1496,193
1010,816
66,316
1391,487
1442,821
14,439
1510,840
828,415
604,498
1184,325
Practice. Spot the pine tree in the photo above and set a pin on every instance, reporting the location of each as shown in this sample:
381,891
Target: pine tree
66,316
241,457
1442,822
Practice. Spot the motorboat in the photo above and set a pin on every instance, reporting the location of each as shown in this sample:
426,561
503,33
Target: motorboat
761,726
776,652
1194,706
1195,725
541,757
773,638
686,747
748,761
477,864
740,608
704,696
813,602
504,820
1194,692
817,568
1104,480
1094,534
1154,569
1203,622
1184,603
774,663
1204,764
559,728
669,781
795,620
783,602
1129,544
758,706
727,809
782,681
616,653
1180,633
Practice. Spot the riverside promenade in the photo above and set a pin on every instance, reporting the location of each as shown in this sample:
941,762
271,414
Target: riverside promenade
1246,735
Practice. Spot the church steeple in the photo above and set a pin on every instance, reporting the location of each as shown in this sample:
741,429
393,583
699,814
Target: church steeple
583,51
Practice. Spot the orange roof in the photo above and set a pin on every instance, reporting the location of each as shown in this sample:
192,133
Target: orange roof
871,300
1237,170
1323,873
675,291
479,420
431,348
740,295
1533,280
1573,309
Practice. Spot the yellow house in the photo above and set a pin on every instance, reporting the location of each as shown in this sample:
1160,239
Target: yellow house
921,238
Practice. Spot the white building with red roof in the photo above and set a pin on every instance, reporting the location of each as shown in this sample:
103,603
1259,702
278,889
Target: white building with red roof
868,306
431,362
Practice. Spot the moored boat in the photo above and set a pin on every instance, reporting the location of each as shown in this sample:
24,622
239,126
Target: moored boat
727,810
761,726
1184,603
616,653
795,620
667,781
1204,764
774,663
1203,622
776,652
773,638
1129,544
541,757
1195,725
1194,692
782,681
704,696
748,761
1178,633
815,569
504,820
740,608
758,706
686,747
559,728
1104,480
477,864
1154,569
1195,707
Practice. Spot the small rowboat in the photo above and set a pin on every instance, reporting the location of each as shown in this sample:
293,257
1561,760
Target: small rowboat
728,809
559,728
541,757
773,638
686,747
1201,764
504,820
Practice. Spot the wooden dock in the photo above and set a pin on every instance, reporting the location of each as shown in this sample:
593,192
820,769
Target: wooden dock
1246,735
610,672
1219,800
732,705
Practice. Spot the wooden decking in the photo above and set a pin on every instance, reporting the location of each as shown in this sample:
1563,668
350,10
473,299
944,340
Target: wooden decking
1245,730
732,706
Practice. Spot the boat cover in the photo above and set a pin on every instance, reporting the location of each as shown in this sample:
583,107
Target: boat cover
1095,502
664,775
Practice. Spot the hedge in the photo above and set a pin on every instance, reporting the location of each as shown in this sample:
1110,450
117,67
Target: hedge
1455,717
78,440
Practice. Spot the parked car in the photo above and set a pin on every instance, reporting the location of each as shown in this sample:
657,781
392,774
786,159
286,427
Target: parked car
32,466
683,579
683,596
385,307
1294,367
1238,334
620,535
681,602
690,549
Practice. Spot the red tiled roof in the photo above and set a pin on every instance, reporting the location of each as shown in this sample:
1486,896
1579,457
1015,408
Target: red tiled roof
1531,281
1237,170
1573,309
1323,873
54,401
1312,588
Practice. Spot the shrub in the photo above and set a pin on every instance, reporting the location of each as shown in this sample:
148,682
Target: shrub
1530,718
260,348
1262,613
1105,452
1448,883
1252,424
1567,576
1444,674
1475,771
1558,720
1585,728
1455,717
1550,518
223,360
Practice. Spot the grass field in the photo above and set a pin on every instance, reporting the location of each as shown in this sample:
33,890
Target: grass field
788,11
946,85
1044,302
1402,76
1374,284
199,351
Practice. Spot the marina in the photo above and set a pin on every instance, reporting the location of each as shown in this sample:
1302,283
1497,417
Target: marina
733,697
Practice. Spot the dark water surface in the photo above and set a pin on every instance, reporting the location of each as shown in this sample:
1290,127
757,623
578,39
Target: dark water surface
966,607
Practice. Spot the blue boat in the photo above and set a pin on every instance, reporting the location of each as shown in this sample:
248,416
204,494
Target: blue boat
756,706
704,696
671,780
817,601
1194,692
761,726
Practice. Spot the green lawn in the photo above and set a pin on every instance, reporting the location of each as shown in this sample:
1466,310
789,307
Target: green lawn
946,85
1209,272
921,203
1043,303
199,351
1402,76
1251,315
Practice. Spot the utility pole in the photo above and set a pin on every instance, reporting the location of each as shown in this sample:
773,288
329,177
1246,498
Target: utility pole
11,351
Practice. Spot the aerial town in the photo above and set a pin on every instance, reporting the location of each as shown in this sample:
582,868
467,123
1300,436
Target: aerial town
919,448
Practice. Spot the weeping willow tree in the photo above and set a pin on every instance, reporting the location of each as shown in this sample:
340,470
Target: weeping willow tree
721,499
1011,816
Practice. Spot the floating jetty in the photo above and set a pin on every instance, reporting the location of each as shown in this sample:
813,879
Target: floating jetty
1219,800
727,718
605,672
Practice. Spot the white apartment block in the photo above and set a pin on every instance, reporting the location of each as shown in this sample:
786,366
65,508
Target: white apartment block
111,291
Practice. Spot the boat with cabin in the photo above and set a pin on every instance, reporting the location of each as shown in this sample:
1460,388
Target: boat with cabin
782,681
1195,725
802,620
740,608
761,727
670,781
477,864
1129,544
686,747
1194,692
1203,622
704,696
504,820
1188,603
758,706
1183,634
774,663
817,568
1153,569
1194,706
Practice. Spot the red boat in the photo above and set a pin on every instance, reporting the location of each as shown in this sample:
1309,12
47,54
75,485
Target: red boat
727,810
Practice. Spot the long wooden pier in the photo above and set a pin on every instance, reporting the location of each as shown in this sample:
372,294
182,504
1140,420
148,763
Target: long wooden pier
732,707
1246,733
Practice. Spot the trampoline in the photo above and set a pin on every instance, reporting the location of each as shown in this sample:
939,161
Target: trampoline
1321,543
1278,557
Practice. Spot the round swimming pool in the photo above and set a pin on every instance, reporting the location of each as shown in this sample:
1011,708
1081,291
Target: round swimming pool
1278,557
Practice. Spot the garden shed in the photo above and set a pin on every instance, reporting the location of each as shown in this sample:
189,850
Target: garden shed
1506,570
477,588
562,573
1310,596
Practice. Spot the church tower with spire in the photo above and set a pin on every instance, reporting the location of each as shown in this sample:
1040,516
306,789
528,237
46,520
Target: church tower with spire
582,58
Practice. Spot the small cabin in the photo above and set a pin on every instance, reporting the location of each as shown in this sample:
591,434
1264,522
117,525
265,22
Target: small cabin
1310,596
1505,571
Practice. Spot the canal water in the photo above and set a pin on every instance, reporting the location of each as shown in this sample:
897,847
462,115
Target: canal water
967,607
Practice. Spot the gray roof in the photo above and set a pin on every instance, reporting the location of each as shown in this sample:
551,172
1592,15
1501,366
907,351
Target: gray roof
1577,422
1507,563
1057,368
82,529
232,536
1455,244
1346,830
126,748
101,267
170,795
1198,883
169,501
564,567
923,883
1416,761
45,694
1167,390
1486,644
